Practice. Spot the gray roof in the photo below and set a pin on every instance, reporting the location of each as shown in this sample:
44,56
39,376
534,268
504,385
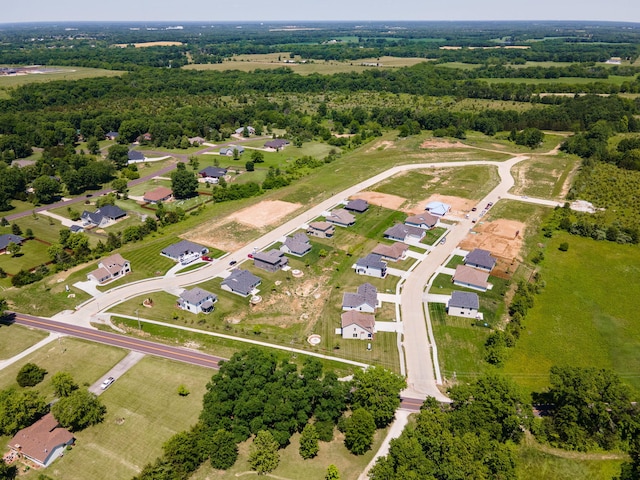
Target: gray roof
464,300
357,205
277,143
341,216
216,172
481,257
422,219
76,228
196,295
231,148
182,247
135,155
241,281
111,211
371,261
271,256
298,244
402,231
8,238
367,293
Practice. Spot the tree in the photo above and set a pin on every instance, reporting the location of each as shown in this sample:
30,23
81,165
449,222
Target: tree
79,410
236,154
93,146
28,233
8,472
249,166
359,430
30,375
119,155
46,189
183,183
223,450
257,156
15,229
63,384
120,185
332,473
3,307
19,409
194,163
263,453
309,442
14,249
378,391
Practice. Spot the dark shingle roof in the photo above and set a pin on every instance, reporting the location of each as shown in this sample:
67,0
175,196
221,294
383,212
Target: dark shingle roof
111,211
482,258
196,295
182,247
367,293
464,300
216,172
135,155
357,205
371,261
403,231
241,281
8,238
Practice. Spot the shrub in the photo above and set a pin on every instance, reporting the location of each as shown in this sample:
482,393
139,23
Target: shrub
30,375
564,246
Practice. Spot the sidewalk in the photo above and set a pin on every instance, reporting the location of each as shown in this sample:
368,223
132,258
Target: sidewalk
402,418
10,361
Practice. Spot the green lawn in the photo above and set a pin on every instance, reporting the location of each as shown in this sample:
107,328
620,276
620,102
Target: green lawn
613,79
143,411
70,355
460,345
544,176
455,261
16,338
586,314
32,254
431,236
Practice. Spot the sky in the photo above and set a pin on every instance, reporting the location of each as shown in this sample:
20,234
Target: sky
291,10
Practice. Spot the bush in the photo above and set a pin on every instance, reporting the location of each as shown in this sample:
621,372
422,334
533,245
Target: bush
564,246
30,375
183,391
223,451
359,432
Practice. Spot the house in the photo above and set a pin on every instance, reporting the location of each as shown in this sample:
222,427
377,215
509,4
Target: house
228,151
76,228
404,233
297,245
393,253
110,269
198,140
241,282
160,194
463,304
471,278
358,325
371,265
341,218
111,135
276,143
424,220
145,137
250,130
212,174
102,216
271,261
135,156
184,251
42,442
357,205
437,208
321,229
197,300
366,300
8,238
480,259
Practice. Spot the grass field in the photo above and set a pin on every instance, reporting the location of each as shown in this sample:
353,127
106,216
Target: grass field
143,411
544,176
16,338
585,316
613,79
57,73
69,355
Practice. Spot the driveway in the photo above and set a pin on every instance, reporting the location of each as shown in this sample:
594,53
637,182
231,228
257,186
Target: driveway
118,370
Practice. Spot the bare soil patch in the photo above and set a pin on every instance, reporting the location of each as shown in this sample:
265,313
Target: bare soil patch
264,214
503,238
392,202
225,235
459,206
381,145
442,144
149,44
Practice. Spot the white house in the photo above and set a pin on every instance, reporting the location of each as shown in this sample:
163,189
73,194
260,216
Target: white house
480,259
424,220
297,245
471,278
366,300
109,269
358,325
371,265
404,233
197,300
438,208
463,304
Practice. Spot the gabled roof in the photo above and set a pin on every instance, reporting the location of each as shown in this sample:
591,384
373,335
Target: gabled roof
276,143
471,276
231,148
182,247
111,211
395,251
197,295
241,281
270,256
8,238
158,194
438,208
371,261
366,321
464,300
216,172
480,257
422,219
367,294
112,134
298,244
321,226
403,231
135,155
38,440
357,205
92,217
113,263
341,216
76,228
200,140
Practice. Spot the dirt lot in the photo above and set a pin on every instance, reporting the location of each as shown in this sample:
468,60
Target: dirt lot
270,211
392,202
459,206
442,144
503,238
382,145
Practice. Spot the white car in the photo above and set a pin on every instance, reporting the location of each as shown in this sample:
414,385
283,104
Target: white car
108,381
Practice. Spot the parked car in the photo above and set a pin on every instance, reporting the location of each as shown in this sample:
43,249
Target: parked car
108,381
233,262
474,209
250,255
207,259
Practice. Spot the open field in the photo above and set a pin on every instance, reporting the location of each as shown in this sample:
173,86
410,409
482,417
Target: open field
613,79
293,467
8,82
69,355
143,411
545,176
16,338
585,315
149,44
